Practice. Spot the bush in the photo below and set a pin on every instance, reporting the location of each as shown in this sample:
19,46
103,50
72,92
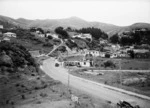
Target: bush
14,55
47,45
109,63
56,65
107,55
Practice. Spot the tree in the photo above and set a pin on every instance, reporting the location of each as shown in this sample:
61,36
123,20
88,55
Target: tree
71,44
114,39
62,49
63,34
95,32
131,53
50,37
109,63
41,30
126,40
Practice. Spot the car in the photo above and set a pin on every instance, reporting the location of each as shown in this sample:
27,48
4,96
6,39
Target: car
56,65
127,104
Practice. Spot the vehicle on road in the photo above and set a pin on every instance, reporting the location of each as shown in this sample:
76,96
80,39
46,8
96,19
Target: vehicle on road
56,65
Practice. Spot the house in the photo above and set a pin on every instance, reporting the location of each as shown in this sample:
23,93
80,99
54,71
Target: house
35,53
71,63
102,41
140,50
41,35
93,52
82,63
115,47
53,35
83,36
9,34
1,34
141,53
86,63
114,55
1,27
6,39
102,54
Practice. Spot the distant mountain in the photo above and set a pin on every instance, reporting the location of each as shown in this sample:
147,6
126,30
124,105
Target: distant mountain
73,22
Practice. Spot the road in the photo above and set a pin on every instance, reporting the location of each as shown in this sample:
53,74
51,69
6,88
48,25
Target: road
61,74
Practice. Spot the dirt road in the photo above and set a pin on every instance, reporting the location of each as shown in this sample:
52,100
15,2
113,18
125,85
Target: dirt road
59,73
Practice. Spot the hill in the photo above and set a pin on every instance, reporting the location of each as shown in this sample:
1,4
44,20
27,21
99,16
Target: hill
73,22
129,28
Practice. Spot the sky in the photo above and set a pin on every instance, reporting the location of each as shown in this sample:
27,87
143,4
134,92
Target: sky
117,12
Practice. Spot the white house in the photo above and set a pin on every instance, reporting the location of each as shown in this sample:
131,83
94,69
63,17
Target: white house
114,55
82,63
93,52
102,54
1,27
35,53
83,36
41,35
6,39
85,63
9,34
53,35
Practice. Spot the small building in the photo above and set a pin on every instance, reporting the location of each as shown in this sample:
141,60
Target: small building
102,41
53,35
6,39
1,27
141,53
102,54
35,53
41,35
114,55
140,50
93,52
86,63
9,34
82,63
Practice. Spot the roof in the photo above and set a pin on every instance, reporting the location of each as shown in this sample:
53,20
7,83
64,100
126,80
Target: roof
9,33
140,50
35,53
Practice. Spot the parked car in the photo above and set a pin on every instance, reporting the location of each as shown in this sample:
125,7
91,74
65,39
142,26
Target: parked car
56,65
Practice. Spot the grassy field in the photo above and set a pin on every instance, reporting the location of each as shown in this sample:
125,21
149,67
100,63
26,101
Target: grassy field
136,82
125,64
125,80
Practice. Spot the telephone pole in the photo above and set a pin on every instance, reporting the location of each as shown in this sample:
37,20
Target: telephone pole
68,78
120,72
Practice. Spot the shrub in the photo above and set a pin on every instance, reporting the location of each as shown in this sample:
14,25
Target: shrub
43,95
47,45
107,55
56,65
109,63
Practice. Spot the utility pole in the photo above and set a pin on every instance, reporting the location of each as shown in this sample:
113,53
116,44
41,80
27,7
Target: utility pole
120,72
68,78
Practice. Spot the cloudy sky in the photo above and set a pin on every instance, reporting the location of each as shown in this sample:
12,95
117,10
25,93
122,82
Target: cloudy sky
118,12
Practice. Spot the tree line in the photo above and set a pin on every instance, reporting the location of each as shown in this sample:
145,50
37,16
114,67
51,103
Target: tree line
95,32
137,37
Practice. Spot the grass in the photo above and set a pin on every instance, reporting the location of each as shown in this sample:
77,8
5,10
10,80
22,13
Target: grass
116,79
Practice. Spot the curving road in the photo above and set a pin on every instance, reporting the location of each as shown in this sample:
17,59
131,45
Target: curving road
61,74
